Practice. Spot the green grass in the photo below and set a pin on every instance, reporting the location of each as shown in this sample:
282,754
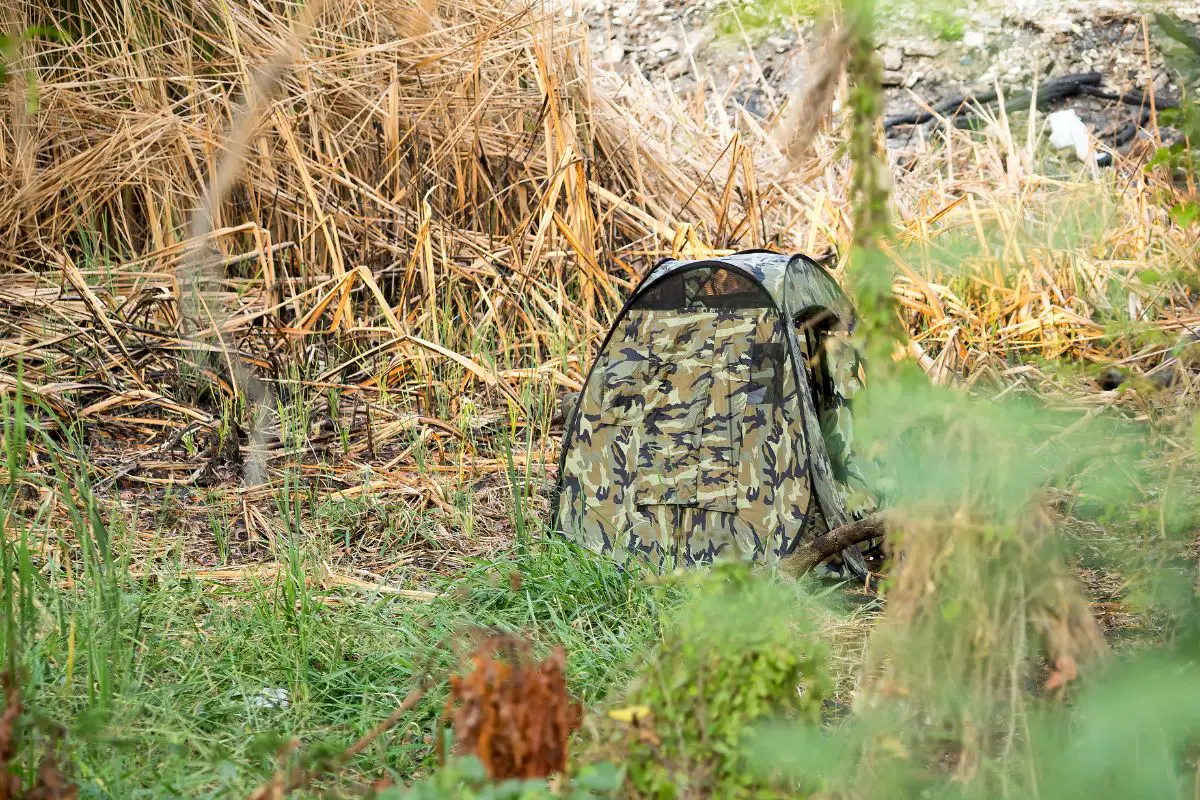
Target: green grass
760,16
938,19
159,681
163,697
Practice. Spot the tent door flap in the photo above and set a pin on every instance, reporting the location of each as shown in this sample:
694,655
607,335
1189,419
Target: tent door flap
721,437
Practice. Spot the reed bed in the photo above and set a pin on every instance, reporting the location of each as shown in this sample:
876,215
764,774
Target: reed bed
439,207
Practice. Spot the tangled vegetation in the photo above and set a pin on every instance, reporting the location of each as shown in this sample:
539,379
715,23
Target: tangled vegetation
268,463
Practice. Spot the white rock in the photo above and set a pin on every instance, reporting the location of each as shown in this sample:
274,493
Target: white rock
1058,24
922,48
677,67
989,20
1068,130
614,53
270,697
665,46
892,57
892,78
974,39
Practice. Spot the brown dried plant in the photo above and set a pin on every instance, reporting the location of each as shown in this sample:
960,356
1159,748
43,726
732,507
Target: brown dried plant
513,712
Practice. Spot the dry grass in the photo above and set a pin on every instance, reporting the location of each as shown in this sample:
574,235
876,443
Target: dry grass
440,207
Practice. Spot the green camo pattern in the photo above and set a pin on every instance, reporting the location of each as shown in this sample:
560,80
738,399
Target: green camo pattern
847,376
674,459
693,439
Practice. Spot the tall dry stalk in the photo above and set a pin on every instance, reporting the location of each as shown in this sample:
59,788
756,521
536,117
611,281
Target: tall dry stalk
980,595
811,107
259,94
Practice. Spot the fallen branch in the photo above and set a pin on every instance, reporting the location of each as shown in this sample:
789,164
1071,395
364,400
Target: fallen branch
830,544
1051,90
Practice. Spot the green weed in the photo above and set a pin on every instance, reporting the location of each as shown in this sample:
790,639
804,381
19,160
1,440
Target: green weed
741,653
177,687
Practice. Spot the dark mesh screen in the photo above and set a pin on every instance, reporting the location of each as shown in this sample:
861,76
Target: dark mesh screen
812,326
706,287
815,319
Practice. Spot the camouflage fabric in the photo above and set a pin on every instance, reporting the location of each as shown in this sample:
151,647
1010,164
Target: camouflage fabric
846,374
843,372
685,450
793,282
693,439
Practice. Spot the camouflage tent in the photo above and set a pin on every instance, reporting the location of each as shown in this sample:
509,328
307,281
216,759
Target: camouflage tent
714,422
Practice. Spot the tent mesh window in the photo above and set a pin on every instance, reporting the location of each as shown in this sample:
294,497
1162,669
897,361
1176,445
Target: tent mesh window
704,287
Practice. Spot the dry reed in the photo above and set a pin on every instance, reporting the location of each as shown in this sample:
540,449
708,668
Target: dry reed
440,208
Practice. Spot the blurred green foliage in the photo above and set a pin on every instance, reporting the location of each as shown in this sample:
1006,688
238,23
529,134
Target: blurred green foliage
465,779
741,653
761,16
1180,43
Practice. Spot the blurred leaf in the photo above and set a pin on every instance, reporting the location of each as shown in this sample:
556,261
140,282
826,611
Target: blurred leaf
601,777
1184,214
1180,48
1149,276
1179,30
1126,737
265,744
630,715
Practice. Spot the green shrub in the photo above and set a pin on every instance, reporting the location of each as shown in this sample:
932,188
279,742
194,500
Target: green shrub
740,655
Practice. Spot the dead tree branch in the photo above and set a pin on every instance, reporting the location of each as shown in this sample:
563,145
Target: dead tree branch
810,555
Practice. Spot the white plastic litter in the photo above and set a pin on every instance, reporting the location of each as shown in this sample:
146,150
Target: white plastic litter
1068,130
270,697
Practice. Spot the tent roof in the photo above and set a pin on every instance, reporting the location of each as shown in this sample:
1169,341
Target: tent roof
796,283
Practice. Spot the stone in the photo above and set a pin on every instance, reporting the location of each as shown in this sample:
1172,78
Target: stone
665,46
974,40
893,78
892,57
614,53
988,20
677,67
922,48
1059,27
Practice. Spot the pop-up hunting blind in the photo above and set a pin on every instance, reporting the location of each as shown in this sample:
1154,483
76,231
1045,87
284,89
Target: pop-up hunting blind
715,422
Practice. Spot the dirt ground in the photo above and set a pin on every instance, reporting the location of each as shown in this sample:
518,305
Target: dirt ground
929,51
